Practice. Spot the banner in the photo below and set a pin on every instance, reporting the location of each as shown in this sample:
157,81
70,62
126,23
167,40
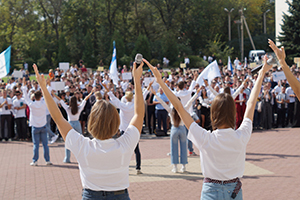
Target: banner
210,72
127,76
64,66
277,76
5,62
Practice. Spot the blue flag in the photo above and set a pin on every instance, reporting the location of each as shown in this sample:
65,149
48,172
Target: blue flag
113,71
229,65
5,62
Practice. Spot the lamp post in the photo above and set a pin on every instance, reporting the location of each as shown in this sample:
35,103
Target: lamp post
229,22
265,21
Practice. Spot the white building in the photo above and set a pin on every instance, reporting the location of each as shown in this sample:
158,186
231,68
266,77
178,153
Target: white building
280,7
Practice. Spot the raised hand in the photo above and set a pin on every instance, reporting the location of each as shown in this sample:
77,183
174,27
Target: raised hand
104,85
198,90
24,81
137,72
154,70
280,53
40,78
205,82
153,91
266,67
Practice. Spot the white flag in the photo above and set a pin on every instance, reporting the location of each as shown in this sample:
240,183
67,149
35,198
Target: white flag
5,62
210,72
113,71
229,65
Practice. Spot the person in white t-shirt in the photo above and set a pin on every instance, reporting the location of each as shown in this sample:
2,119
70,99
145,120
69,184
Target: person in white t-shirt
73,112
103,161
222,151
19,106
5,116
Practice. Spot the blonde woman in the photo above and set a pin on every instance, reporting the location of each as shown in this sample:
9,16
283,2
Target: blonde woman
104,161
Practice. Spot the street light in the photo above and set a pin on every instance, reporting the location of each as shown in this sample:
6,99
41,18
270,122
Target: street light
229,23
265,21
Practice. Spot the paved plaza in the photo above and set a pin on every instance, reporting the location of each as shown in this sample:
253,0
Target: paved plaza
272,171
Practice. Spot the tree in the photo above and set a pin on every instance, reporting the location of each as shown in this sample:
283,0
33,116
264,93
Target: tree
63,51
88,52
142,46
169,47
290,38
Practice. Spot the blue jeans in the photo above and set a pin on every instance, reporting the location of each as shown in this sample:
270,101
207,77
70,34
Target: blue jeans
77,127
37,135
178,133
101,195
190,144
49,131
214,191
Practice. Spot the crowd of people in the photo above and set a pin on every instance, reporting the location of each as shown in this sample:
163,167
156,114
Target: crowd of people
86,96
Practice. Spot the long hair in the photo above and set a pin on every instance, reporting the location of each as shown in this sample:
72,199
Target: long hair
223,111
176,117
73,105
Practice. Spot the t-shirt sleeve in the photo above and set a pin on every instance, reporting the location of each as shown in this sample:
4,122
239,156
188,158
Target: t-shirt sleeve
130,138
74,142
245,130
197,135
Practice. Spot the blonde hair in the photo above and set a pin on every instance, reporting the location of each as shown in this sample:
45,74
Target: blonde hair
223,111
98,95
103,120
129,95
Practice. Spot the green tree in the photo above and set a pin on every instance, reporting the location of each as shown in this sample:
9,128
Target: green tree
291,31
219,49
63,51
142,46
119,44
169,47
88,52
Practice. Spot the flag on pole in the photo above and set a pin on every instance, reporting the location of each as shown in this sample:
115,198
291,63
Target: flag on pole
245,63
5,62
113,71
229,65
210,72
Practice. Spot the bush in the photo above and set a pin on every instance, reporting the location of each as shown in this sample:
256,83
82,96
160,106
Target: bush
43,64
125,60
154,62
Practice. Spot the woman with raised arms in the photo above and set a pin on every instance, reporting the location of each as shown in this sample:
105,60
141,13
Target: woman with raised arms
104,161
222,151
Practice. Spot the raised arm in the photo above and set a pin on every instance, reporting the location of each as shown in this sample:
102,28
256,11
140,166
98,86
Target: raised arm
280,53
189,103
25,94
184,115
239,89
63,126
210,88
139,107
255,91
89,95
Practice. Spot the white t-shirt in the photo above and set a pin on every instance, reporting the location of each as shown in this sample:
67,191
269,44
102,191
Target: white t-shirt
4,110
104,164
223,151
19,103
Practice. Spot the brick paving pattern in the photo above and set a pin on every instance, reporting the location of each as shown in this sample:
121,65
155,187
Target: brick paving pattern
272,171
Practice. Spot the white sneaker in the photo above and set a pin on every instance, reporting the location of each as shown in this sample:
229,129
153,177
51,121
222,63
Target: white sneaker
174,170
53,139
9,140
169,154
33,163
183,169
3,140
49,163
138,172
